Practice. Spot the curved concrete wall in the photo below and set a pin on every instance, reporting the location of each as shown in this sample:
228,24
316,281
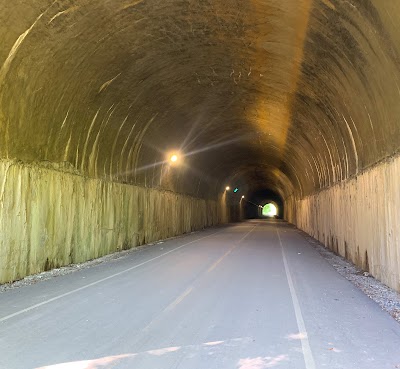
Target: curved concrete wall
299,94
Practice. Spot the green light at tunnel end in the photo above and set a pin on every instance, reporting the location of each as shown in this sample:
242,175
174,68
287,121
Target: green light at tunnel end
235,190
269,210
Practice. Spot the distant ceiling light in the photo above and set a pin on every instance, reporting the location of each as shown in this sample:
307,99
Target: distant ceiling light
227,188
242,197
174,158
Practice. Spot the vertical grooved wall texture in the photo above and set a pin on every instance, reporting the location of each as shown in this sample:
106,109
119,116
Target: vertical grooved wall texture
49,218
358,219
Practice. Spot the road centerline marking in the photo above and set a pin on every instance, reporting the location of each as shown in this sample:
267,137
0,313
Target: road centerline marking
189,290
168,309
212,267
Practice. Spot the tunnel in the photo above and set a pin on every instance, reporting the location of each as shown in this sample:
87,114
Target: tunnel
255,205
291,101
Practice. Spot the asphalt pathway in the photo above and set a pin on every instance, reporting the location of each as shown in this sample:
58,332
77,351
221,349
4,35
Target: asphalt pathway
253,295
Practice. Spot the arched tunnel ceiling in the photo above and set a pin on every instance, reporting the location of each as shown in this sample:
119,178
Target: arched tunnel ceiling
289,95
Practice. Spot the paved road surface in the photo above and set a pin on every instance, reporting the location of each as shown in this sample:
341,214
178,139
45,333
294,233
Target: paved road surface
250,296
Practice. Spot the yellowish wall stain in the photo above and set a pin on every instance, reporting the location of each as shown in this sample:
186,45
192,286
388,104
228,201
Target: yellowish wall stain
358,219
50,218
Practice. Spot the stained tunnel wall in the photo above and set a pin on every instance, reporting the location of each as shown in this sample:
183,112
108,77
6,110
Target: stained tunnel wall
350,86
358,219
300,96
50,218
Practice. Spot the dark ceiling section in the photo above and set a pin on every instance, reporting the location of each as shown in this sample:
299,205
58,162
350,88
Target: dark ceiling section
290,95
349,90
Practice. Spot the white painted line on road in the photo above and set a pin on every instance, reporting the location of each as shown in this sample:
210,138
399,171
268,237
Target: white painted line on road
305,343
101,280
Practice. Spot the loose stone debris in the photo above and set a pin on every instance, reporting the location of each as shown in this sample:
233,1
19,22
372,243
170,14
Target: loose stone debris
35,278
384,296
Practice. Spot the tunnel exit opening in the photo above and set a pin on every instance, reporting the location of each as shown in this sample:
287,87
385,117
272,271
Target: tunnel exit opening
264,203
269,210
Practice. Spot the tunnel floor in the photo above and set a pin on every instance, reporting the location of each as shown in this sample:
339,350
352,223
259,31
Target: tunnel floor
250,296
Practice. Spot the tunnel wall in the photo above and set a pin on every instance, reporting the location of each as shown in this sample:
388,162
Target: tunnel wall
50,218
358,219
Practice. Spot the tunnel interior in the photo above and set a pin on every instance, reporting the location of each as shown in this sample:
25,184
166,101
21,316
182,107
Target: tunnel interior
269,210
299,97
261,91
258,199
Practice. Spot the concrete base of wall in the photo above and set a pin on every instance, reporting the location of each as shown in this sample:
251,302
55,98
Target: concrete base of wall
50,218
358,219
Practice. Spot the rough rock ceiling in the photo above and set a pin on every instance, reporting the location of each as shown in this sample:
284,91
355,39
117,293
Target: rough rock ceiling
288,95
